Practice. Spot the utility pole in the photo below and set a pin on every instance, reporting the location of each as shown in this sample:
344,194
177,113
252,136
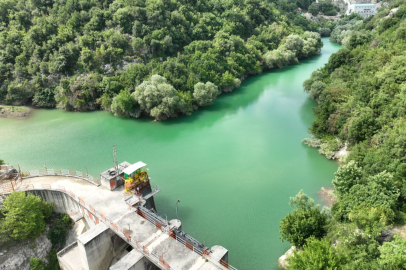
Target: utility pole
115,160
177,209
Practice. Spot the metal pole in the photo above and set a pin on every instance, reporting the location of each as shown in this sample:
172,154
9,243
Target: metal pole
87,173
177,209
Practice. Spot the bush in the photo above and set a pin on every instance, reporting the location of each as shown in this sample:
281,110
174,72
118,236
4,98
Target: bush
205,94
24,216
316,255
305,221
36,264
60,227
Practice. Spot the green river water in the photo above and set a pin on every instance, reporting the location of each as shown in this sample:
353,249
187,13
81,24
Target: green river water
233,165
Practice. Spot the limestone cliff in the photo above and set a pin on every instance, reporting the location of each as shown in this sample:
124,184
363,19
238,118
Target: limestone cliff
16,256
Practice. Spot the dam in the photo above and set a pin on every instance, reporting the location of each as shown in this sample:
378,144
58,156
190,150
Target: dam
120,215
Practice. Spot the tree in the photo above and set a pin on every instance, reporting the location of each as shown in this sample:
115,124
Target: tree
316,89
371,204
205,94
305,221
24,215
122,104
316,255
393,255
347,176
294,43
279,58
314,9
158,98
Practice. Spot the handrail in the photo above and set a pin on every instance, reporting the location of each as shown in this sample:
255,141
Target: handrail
61,172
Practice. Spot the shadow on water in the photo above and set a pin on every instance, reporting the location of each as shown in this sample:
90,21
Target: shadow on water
227,104
306,111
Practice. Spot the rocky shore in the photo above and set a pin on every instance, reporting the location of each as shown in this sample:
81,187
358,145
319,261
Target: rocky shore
17,112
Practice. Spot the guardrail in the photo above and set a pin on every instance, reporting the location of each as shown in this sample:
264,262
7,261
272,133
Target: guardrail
61,172
163,226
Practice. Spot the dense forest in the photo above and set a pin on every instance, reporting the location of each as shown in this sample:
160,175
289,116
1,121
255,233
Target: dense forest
154,57
361,101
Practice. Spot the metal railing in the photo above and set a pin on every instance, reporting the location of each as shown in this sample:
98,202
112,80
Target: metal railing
141,211
61,172
201,252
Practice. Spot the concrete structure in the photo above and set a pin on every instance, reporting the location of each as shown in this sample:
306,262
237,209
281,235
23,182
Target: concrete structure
108,178
113,225
134,260
98,246
364,10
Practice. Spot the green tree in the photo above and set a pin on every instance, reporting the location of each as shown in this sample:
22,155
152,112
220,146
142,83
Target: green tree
205,94
317,254
123,104
347,176
393,255
24,215
314,9
305,221
158,98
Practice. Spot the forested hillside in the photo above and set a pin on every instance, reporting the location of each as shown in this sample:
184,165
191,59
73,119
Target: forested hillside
361,96
153,57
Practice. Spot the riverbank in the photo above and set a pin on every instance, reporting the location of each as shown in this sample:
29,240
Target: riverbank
15,112
332,148
246,144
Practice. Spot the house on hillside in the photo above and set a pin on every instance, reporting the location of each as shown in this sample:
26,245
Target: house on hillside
364,10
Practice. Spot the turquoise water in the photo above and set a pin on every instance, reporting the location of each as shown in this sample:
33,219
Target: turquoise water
233,165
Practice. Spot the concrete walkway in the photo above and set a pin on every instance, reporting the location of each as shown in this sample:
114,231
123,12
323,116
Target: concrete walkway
112,205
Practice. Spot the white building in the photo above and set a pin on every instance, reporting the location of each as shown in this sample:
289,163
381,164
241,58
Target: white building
364,10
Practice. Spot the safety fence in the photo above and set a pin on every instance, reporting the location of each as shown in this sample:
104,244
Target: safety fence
164,226
61,172
124,234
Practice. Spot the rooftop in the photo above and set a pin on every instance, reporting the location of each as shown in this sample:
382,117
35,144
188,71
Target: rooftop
134,167
111,173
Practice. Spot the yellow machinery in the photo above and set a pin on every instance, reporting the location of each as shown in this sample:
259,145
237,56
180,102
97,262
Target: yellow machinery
135,175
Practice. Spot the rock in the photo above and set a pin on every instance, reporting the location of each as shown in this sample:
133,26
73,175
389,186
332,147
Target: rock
327,196
282,261
19,258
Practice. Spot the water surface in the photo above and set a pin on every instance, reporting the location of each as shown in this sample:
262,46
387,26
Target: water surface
233,165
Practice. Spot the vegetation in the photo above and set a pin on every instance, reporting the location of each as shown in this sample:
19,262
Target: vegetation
36,264
304,222
58,230
24,215
106,54
361,101
323,7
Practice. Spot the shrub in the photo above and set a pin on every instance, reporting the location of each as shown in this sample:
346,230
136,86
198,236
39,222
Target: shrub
24,216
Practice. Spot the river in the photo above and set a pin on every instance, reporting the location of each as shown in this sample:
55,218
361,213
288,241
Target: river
233,165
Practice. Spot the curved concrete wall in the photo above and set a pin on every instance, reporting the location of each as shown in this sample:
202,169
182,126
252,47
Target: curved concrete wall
63,203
